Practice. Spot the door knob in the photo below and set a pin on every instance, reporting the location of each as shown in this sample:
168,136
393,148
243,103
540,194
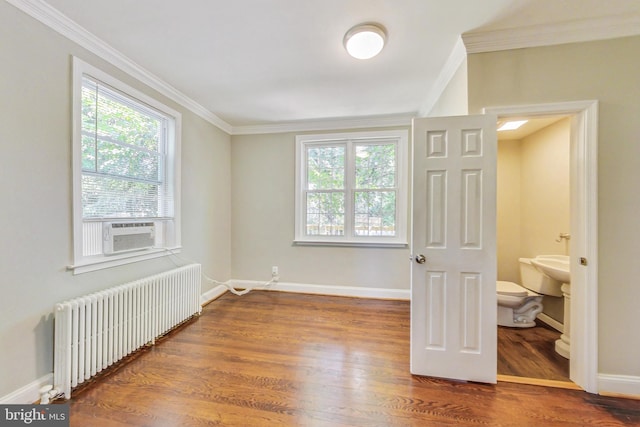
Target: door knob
420,259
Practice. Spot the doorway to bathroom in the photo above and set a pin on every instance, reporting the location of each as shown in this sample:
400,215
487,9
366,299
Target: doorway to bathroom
546,205
473,324
533,211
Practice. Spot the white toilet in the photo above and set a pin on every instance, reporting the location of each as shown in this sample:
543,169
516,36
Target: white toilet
518,305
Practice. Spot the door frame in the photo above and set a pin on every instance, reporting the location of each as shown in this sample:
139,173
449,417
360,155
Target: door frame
584,229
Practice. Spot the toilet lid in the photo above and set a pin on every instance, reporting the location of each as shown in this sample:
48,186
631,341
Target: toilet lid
510,288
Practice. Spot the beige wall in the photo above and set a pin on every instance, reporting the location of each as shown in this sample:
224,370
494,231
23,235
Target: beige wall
263,179
608,72
35,186
533,201
545,190
508,199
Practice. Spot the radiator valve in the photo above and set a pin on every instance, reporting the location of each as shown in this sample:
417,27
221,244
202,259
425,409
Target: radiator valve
45,397
47,392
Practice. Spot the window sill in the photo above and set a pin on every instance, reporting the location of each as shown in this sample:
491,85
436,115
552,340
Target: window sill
351,243
100,263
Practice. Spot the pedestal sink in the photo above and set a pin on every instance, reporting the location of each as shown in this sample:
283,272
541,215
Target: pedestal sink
558,268
554,266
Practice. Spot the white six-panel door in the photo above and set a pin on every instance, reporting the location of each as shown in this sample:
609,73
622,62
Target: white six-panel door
453,267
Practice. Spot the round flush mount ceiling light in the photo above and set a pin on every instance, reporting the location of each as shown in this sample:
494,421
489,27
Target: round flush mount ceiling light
365,41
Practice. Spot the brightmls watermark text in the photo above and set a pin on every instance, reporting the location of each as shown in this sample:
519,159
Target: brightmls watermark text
34,415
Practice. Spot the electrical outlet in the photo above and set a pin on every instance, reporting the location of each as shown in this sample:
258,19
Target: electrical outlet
274,271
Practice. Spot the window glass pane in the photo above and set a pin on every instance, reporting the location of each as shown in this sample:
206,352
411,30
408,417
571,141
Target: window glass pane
123,123
89,104
325,168
109,114
127,161
123,159
88,154
375,166
89,108
107,197
120,136
375,213
325,214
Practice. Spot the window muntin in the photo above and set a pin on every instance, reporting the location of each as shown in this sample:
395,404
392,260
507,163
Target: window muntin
126,163
351,188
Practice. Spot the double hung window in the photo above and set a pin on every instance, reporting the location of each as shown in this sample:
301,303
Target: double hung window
126,160
351,188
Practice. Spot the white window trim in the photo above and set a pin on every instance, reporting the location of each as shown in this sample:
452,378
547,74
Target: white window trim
400,240
83,264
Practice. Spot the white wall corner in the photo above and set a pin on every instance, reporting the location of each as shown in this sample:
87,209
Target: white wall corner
212,294
28,394
453,62
619,385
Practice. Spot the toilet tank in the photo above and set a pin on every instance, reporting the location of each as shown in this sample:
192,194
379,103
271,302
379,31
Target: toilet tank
532,279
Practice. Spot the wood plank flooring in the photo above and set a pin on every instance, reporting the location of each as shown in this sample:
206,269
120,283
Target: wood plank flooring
280,359
530,352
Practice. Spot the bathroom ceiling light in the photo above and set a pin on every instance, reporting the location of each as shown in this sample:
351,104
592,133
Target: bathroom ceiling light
365,41
512,125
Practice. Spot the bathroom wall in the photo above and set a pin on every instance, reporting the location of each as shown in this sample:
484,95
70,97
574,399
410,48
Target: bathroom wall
508,210
545,208
546,190
533,201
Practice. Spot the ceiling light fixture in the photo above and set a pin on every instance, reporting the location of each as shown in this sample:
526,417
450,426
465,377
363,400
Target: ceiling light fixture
365,41
512,125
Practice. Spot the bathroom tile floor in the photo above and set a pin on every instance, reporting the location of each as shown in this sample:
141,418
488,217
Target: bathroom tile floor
529,352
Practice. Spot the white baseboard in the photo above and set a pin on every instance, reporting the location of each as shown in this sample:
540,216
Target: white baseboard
344,291
212,294
27,394
619,385
551,322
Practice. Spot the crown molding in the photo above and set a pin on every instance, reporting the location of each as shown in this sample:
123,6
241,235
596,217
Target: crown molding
601,28
455,59
326,124
58,22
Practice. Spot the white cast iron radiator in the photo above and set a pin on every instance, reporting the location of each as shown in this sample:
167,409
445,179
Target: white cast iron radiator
96,330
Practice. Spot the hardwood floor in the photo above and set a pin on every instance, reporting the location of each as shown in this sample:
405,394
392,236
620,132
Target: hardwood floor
279,359
529,352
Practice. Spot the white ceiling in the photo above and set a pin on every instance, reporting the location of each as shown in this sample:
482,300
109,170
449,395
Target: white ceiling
259,62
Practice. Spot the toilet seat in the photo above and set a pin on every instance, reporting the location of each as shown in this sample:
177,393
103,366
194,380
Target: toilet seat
510,289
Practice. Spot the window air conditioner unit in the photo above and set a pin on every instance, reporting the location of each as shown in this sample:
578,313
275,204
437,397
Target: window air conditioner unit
120,237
